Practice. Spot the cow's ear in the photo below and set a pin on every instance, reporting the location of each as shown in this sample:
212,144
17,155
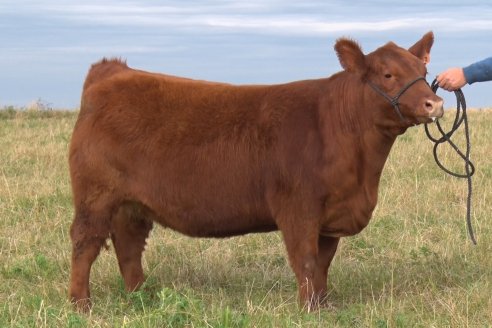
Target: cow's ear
350,56
422,48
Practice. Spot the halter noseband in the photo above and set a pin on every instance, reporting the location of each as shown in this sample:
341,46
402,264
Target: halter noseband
395,100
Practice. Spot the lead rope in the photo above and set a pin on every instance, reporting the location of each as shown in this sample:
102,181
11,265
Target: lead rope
446,137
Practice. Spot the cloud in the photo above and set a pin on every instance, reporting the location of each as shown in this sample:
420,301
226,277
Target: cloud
298,25
310,26
266,17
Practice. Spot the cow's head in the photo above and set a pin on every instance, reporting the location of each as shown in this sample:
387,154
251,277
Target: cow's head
395,79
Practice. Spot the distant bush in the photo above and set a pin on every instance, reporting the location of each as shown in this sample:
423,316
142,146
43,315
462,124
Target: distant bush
40,104
7,112
11,112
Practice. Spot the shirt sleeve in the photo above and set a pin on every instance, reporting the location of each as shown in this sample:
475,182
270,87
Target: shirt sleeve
479,72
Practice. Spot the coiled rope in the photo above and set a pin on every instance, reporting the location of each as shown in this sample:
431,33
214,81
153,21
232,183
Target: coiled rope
460,118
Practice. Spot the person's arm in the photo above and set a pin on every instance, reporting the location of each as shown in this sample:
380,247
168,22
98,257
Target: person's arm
456,77
452,79
479,72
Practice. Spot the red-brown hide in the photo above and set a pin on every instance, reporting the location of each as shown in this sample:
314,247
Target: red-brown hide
217,160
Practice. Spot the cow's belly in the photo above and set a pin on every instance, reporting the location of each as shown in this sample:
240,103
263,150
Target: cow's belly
213,208
203,191
219,227
214,220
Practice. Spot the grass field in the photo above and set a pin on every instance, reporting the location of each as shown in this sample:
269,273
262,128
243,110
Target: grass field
413,266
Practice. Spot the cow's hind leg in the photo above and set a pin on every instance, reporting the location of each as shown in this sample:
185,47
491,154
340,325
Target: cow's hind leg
129,230
88,232
327,247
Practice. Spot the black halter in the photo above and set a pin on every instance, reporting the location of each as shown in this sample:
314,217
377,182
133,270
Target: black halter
395,100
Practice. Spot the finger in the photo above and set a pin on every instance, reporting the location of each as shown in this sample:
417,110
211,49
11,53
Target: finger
444,85
441,79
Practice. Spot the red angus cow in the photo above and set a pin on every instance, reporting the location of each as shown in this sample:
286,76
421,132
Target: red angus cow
217,160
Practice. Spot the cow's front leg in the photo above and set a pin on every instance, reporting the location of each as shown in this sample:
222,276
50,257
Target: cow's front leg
327,247
301,241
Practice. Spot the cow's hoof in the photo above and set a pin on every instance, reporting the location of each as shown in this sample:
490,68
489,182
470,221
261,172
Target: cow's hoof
319,304
83,305
328,306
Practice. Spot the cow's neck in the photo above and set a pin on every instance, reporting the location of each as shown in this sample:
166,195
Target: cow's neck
355,150
358,120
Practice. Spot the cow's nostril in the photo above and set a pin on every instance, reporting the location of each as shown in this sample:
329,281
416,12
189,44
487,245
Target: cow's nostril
429,105
434,108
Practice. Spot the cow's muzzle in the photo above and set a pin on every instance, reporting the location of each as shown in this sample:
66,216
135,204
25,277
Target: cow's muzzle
434,109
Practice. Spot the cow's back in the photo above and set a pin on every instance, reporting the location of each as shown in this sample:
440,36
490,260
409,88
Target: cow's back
177,111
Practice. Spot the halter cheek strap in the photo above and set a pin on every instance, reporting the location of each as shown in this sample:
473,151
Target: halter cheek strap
394,101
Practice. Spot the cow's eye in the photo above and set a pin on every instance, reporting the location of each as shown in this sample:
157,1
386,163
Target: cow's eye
388,76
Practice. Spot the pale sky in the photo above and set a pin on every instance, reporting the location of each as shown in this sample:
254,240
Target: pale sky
47,46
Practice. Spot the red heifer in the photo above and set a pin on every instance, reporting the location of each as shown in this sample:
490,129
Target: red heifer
218,160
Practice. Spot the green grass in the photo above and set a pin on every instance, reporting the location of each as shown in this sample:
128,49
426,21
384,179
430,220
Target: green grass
413,266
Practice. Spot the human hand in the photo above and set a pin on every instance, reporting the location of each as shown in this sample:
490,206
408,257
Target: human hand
451,79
